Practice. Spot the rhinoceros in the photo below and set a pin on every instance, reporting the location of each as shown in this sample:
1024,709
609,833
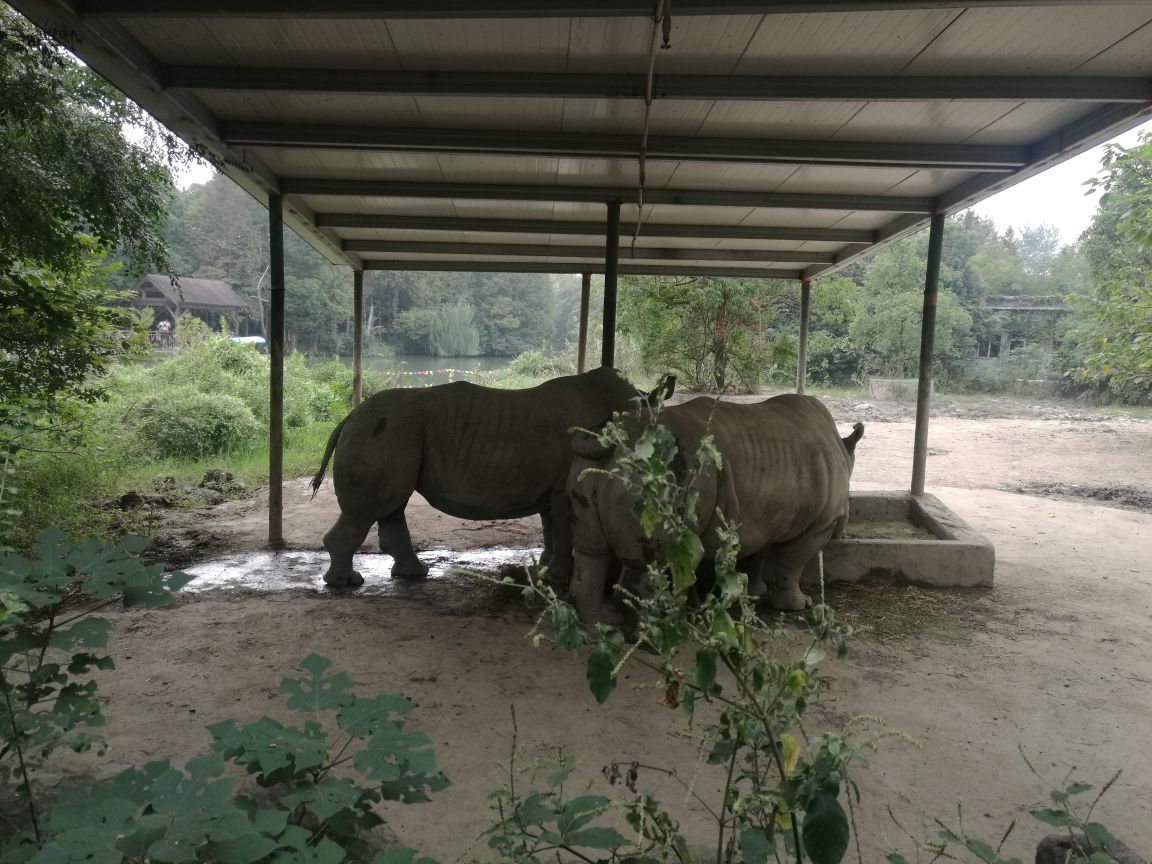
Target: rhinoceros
783,483
473,452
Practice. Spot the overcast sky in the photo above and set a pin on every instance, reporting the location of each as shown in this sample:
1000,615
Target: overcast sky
1056,196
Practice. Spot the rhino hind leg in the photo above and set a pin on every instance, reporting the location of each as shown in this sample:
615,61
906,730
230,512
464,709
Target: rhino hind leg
789,560
342,541
397,542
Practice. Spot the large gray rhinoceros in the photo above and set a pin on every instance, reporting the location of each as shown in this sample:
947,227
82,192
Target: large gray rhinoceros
783,483
473,452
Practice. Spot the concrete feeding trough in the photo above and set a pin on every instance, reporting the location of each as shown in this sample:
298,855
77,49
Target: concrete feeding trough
895,536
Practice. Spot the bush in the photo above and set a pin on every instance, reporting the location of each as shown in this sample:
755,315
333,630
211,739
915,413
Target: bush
189,424
534,364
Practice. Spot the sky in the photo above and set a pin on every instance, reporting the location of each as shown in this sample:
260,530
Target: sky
1055,197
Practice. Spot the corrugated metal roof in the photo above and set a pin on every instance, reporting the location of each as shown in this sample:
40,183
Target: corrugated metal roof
507,125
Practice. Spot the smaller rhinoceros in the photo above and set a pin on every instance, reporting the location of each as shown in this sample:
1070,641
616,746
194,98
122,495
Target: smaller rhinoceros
473,452
783,482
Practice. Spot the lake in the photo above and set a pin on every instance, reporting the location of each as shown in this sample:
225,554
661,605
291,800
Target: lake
416,370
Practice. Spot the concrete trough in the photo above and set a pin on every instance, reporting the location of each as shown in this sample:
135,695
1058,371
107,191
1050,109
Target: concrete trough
898,537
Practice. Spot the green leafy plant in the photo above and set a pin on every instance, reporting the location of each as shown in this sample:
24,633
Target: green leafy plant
1070,808
50,646
745,682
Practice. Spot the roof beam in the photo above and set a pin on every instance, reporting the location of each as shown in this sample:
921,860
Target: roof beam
526,250
602,194
625,268
1080,135
769,88
583,145
591,229
519,8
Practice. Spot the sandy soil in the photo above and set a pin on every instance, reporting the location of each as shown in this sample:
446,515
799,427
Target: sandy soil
1056,660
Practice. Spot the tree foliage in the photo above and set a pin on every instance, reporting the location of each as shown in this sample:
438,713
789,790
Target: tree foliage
1116,335
72,186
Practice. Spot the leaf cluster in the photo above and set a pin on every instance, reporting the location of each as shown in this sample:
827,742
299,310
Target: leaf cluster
745,682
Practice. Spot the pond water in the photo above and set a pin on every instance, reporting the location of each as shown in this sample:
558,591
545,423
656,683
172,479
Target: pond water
417,370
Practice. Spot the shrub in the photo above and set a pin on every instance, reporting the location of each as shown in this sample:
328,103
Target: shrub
189,424
534,364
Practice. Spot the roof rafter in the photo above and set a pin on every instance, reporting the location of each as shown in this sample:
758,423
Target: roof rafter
625,268
592,229
877,88
603,194
520,8
583,145
525,250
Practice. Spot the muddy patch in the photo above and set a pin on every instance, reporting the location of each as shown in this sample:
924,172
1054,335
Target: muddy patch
1124,497
466,582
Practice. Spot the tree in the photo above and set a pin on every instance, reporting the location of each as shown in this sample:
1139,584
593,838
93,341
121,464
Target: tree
72,187
1116,338
1039,245
887,327
707,330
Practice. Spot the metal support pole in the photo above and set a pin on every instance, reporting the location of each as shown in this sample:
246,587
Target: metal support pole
611,268
276,376
927,344
802,348
357,335
585,295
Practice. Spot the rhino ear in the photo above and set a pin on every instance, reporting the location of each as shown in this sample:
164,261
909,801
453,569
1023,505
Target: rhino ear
661,391
586,443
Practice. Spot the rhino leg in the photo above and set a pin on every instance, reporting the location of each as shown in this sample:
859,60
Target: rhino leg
557,519
397,542
342,541
757,567
790,559
589,580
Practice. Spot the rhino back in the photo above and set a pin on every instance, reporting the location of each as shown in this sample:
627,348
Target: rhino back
788,466
484,452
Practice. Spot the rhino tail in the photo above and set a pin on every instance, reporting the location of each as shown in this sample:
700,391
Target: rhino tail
332,439
857,434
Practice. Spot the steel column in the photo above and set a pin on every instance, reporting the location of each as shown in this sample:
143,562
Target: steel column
802,348
611,268
927,344
357,335
276,375
585,296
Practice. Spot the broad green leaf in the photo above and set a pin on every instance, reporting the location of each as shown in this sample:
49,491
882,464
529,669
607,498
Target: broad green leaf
723,629
244,849
596,838
755,845
790,752
684,555
578,812
85,633
326,798
980,849
896,858
1078,788
270,822
315,692
563,768
825,830
362,717
601,672
706,672
1048,816
1098,835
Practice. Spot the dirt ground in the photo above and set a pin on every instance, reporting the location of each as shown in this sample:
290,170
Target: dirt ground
1056,660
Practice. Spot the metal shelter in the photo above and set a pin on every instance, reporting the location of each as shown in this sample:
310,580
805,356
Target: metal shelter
777,139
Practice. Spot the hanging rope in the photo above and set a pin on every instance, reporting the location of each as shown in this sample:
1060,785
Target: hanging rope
661,24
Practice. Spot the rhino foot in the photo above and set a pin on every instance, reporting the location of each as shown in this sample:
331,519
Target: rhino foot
789,600
410,571
347,579
756,587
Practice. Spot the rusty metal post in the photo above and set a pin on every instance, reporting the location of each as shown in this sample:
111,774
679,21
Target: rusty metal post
927,345
276,373
585,296
611,268
802,347
357,335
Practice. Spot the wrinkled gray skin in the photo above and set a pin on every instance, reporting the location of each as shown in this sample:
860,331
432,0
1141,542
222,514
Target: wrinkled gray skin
473,452
784,483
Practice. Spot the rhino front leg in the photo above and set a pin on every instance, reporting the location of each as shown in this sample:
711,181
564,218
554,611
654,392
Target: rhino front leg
589,580
342,541
557,519
397,542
